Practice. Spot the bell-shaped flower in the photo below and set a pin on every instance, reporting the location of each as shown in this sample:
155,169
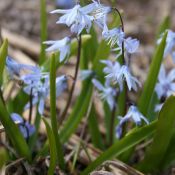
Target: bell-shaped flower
131,45
170,44
113,36
63,46
98,11
14,68
118,74
107,93
39,86
25,127
76,18
166,85
134,115
40,92
61,85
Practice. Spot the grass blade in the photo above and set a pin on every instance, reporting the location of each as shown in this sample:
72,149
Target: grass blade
13,133
163,134
117,148
3,55
53,151
43,30
94,129
54,121
78,112
149,86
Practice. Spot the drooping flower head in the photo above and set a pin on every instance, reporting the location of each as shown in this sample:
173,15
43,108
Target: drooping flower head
132,114
63,46
118,74
76,18
39,86
114,36
15,69
25,127
170,44
166,85
107,93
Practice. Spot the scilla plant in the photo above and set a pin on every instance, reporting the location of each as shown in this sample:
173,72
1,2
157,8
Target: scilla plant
103,66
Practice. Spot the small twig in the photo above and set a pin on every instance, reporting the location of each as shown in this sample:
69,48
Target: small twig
74,82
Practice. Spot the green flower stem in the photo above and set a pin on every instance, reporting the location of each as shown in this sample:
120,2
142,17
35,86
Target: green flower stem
54,121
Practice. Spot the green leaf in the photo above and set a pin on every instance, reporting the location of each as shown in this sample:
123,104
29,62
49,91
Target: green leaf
151,80
164,25
54,121
3,55
94,129
4,157
43,30
77,114
132,139
169,158
164,131
53,151
14,133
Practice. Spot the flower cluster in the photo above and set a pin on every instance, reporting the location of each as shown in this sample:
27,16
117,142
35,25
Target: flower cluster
80,19
36,82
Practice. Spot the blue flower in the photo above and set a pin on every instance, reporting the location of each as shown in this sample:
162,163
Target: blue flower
61,85
76,18
60,45
170,44
107,93
65,3
166,85
131,45
98,11
14,68
25,127
118,74
132,114
113,36
39,85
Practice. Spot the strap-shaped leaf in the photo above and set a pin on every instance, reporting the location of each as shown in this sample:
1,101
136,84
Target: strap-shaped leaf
43,30
13,133
163,134
54,121
53,151
149,85
78,112
117,148
3,55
